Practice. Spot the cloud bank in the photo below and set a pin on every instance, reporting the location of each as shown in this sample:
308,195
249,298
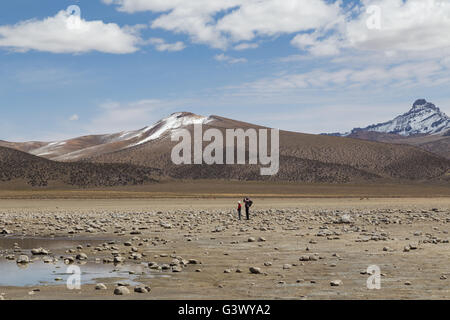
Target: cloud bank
66,33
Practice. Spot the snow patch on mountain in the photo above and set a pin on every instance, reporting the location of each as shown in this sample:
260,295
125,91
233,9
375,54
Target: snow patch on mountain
62,150
48,149
423,118
173,122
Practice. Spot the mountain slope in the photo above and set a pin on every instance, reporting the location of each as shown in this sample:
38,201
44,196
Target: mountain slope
87,146
423,118
36,171
438,143
303,157
424,126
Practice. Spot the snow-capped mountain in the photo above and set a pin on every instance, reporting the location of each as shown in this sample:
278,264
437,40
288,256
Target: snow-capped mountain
82,147
423,118
167,125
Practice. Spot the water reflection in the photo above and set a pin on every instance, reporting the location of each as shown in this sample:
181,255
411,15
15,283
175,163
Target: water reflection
43,270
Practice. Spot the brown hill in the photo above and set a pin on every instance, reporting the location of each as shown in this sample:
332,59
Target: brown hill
22,146
93,145
129,157
438,144
36,171
303,157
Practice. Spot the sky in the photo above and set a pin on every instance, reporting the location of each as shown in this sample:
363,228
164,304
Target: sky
72,68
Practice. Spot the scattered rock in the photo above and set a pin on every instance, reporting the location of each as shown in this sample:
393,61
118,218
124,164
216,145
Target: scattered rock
345,219
413,246
39,251
81,256
23,259
100,286
142,289
121,290
177,269
119,259
255,270
336,283
194,261
304,258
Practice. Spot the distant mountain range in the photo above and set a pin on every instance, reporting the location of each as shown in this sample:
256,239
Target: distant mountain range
424,126
424,118
143,156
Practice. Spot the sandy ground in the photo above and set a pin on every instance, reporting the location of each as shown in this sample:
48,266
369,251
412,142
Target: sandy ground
297,247
230,190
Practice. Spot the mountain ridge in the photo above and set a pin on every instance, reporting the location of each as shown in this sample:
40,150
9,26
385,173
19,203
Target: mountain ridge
424,118
424,126
303,157
81,147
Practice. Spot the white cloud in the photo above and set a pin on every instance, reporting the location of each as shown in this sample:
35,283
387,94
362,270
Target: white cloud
323,28
403,75
62,34
410,50
316,47
397,27
240,20
273,17
245,46
162,45
194,18
74,117
224,58
413,25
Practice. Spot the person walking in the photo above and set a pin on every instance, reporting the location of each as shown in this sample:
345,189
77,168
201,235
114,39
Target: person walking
239,208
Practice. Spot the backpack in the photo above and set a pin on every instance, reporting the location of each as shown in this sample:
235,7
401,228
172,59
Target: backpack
250,202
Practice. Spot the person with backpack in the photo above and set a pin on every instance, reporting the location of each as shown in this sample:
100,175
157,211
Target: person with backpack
248,203
239,208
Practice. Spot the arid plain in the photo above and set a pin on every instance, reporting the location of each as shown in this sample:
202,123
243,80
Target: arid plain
297,245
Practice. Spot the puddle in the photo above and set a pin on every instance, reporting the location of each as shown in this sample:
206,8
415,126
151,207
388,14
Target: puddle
7,243
38,273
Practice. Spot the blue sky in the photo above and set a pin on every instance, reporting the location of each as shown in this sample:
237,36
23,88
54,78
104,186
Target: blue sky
304,65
